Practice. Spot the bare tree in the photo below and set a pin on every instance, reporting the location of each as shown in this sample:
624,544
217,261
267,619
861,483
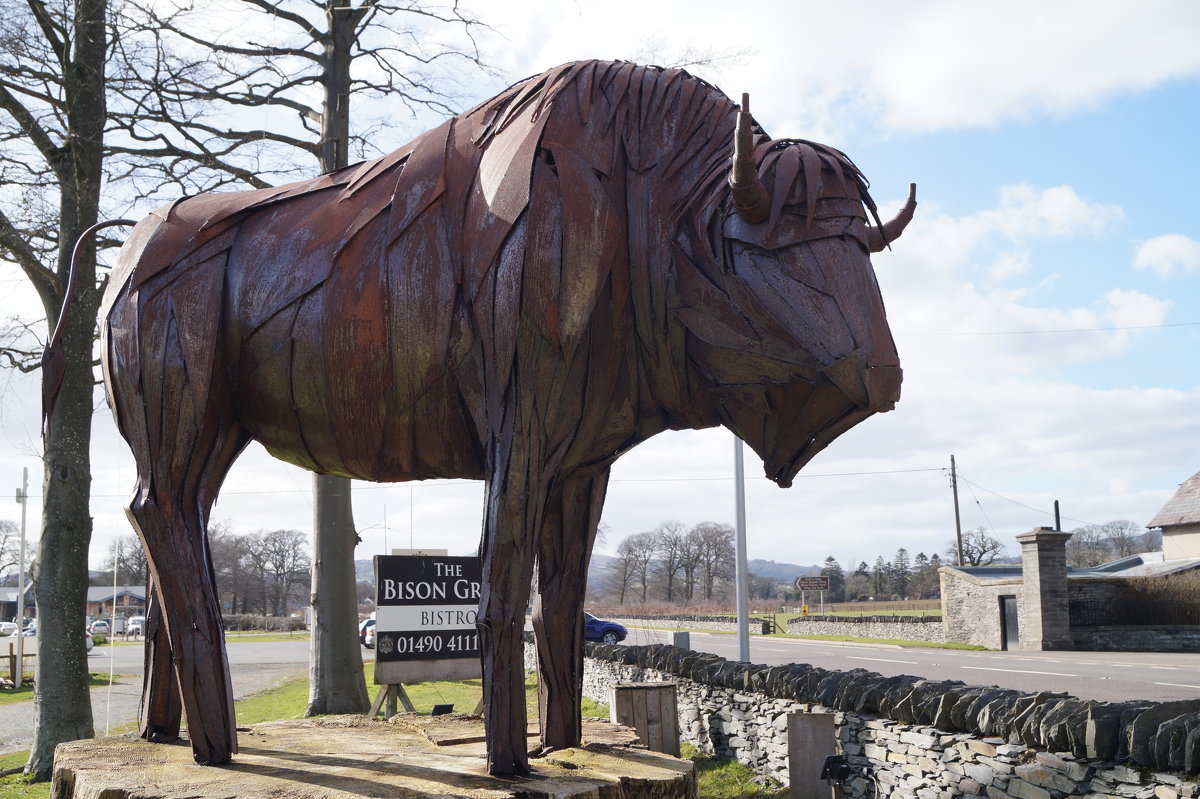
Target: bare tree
277,564
1124,538
230,558
10,548
127,558
637,552
714,542
672,547
1086,547
52,121
620,573
979,548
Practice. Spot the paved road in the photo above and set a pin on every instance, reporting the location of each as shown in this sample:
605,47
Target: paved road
254,667
1108,676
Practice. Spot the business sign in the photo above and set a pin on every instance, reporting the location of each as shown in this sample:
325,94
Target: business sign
425,611
812,583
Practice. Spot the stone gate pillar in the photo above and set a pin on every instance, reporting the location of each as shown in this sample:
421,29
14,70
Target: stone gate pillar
1045,614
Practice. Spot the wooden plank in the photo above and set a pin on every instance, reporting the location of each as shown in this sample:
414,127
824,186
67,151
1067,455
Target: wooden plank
651,709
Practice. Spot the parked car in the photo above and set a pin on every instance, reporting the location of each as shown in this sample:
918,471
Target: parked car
30,630
135,625
99,626
87,640
369,638
599,630
366,624
7,628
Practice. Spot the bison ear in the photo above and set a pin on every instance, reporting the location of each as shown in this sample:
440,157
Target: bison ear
750,198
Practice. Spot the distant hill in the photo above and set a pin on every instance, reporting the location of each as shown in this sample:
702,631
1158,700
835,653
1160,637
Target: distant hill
783,572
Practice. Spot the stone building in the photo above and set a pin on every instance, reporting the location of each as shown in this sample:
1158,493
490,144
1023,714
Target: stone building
1180,521
1042,604
1012,606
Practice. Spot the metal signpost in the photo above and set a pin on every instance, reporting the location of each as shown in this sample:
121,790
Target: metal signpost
426,607
813,584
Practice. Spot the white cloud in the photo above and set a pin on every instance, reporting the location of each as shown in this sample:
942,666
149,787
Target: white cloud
1125,308
1168,254
825,69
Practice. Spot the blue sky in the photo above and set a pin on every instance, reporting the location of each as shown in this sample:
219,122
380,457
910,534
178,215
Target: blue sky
1054,150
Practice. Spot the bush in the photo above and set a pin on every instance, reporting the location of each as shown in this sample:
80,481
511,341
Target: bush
99,639
273,624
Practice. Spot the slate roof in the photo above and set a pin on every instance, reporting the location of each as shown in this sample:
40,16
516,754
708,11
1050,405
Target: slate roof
103,593
9,593
1145,564
1183,508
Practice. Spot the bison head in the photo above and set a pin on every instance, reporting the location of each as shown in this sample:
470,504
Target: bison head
797,349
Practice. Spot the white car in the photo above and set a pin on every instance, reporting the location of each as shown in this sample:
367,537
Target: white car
7,628
87,640
136,625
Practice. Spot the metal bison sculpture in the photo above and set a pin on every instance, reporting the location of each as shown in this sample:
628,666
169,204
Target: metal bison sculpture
518,296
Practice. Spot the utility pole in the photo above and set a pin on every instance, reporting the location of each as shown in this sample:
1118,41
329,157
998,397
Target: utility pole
22,497
741,572
957,518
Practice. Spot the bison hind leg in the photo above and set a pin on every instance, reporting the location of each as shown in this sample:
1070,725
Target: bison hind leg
184,438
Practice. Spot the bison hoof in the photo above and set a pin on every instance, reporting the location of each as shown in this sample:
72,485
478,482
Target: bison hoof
160,737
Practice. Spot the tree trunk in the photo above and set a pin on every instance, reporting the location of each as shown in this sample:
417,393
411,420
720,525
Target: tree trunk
63,707
335,673
336,681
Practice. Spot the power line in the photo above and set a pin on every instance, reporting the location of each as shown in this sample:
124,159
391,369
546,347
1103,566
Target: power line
1039,332
1015,502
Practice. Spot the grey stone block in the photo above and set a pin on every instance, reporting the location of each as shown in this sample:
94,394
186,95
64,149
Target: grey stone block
1139,736
1025,790
1037,774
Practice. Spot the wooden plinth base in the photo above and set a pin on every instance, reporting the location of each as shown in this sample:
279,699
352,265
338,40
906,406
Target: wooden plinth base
353,757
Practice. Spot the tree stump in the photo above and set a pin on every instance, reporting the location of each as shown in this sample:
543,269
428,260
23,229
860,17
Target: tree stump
350,757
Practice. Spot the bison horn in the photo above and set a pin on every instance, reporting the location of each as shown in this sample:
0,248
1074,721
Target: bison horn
878,238
749,196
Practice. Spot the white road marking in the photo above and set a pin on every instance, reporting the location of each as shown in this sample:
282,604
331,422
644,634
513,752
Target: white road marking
1022,671
1176,685
883,660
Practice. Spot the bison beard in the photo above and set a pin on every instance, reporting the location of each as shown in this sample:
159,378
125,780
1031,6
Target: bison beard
518,296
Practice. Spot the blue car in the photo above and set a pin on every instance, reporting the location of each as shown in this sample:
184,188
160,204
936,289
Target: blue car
599,630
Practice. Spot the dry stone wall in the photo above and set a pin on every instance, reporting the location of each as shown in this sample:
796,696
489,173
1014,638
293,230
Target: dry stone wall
900,628
1136,639
921,739
726,624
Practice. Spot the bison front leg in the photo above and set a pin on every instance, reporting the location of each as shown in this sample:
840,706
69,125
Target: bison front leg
564,549
512,519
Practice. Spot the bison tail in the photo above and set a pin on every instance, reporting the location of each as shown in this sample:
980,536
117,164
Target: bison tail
54,357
